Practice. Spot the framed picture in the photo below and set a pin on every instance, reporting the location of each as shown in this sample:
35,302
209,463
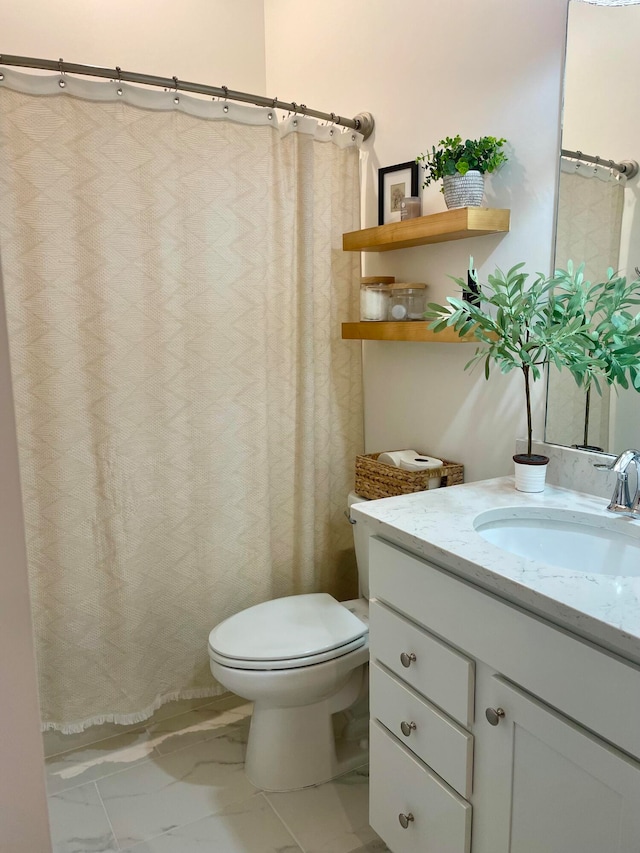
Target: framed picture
394,184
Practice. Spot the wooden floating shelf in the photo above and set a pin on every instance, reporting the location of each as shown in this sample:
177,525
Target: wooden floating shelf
454,224
407,330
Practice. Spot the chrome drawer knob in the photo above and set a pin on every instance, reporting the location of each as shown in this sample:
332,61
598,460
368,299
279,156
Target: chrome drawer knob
405,819
407,728
407,659
494,715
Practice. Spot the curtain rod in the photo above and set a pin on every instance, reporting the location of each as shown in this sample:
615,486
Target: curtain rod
362,122
628,168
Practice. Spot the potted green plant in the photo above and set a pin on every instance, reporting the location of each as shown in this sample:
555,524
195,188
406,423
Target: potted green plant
462,166
563,320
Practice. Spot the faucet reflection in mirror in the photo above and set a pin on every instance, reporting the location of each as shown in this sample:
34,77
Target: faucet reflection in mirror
597,219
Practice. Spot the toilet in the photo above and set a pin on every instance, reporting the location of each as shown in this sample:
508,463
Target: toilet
301,660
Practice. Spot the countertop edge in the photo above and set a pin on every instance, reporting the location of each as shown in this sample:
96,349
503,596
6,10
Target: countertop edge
448,553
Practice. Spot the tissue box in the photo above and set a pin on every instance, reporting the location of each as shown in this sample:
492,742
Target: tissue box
376,480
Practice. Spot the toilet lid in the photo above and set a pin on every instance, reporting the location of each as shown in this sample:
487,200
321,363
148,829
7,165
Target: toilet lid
298,626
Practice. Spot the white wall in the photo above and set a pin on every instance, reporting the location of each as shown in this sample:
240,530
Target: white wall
220,42
23,810
426,70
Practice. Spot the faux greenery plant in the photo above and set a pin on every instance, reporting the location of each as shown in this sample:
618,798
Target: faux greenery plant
455,157
564,320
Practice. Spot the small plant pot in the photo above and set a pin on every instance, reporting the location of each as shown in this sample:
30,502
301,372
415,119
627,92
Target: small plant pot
464,190
531,472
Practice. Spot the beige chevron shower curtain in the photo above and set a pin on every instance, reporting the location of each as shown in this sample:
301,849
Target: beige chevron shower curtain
187,413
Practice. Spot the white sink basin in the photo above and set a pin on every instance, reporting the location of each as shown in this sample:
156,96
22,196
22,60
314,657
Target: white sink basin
577,541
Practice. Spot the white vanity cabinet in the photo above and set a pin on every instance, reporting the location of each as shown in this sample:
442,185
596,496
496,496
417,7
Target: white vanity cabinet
494,731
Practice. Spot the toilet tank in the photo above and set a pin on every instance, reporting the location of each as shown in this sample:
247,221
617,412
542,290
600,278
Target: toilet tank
361,542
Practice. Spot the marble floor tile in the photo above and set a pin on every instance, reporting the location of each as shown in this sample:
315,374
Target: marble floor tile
182,706
79,823
172,790
226,700
176,784
198,725
56,743
377,846
329,818
88,763
248,827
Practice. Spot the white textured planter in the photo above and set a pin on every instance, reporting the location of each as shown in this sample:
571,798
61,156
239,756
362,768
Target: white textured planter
530,474
464,190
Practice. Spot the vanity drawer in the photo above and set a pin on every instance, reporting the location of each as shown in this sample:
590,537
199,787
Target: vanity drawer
442,744
402,785
434,669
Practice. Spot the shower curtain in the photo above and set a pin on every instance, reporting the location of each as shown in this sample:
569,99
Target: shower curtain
590,207
187,412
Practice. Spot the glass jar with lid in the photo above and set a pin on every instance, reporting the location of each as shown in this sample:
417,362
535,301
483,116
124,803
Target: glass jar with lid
374,296
407,301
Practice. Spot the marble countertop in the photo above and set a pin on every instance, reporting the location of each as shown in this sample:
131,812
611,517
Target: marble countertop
439,526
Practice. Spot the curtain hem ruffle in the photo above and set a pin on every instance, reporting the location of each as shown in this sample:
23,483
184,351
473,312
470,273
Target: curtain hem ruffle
78,726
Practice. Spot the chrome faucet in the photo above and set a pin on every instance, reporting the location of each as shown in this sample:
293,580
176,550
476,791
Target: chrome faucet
621,499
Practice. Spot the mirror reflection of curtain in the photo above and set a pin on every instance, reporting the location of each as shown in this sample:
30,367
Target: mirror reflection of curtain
588,230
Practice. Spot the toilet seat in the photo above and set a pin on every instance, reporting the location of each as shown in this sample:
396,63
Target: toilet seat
296,631
290,663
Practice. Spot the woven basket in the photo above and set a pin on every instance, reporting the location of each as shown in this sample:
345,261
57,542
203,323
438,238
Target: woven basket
376,480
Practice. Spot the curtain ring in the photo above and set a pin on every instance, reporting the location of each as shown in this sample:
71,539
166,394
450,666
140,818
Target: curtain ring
119,72
274,103
61,81
176,99
225,89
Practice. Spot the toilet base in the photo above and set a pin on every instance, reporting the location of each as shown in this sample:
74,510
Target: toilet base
291,748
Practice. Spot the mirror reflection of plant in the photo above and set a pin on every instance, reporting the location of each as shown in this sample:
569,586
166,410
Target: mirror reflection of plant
613,330
562,320
455,157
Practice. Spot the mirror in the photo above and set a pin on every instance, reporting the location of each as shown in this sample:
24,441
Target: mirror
598,216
